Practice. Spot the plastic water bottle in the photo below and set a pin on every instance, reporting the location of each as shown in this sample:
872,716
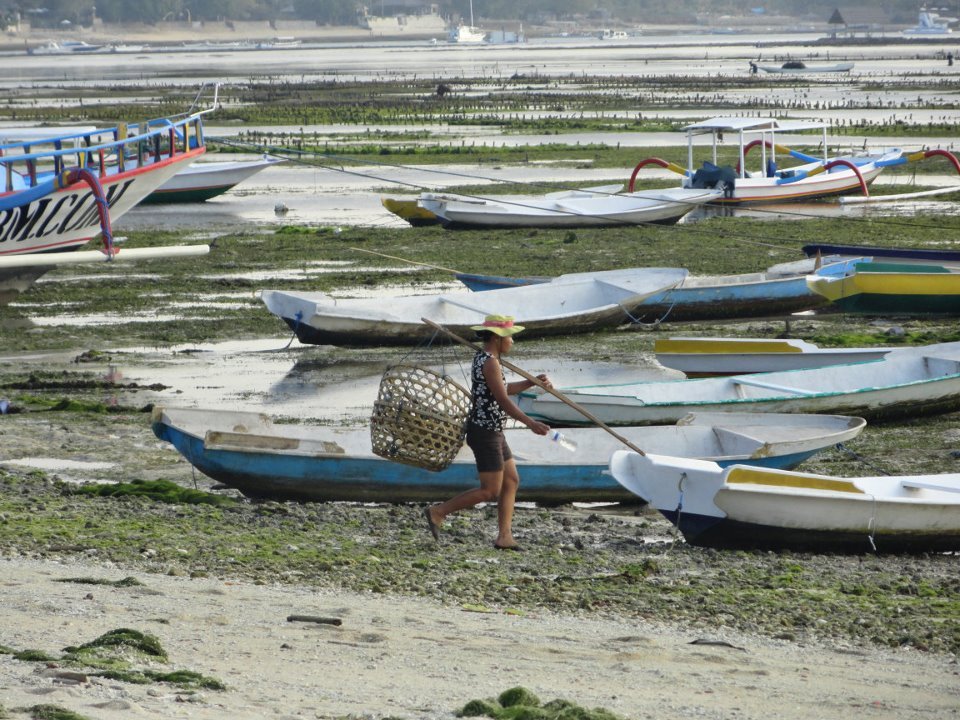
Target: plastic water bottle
564,442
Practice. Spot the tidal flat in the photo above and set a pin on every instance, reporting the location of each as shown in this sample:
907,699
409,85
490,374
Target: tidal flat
88,352
67,335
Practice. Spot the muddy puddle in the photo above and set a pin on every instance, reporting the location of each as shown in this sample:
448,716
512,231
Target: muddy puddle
312,383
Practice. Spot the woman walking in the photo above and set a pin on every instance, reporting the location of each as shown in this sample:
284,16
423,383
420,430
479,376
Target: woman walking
489,411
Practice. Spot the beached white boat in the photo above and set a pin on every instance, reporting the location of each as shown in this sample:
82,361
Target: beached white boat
576,303
61,188
813,177
596,207
283,461
748,507
204,180
904,384
705,357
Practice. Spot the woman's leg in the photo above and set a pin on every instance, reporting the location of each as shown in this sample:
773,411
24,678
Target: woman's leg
505,504
489,490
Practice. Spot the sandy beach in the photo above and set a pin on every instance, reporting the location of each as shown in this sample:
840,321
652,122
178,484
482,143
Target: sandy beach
410,658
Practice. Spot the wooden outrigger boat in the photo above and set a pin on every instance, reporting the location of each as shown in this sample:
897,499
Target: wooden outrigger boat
576,303
814,177
250,453
58,190
708,357
892,288
758,508
903,384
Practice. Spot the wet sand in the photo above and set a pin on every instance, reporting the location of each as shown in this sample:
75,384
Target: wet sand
410,658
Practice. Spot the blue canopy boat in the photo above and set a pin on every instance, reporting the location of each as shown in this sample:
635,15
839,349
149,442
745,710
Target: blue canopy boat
61,188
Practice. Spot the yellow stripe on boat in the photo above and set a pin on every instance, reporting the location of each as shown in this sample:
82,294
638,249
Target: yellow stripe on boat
733,345
907,283
758,476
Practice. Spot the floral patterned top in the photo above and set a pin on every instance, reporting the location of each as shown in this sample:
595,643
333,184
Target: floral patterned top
485,411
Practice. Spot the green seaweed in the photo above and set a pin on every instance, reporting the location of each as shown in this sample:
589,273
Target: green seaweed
158,490
50,712
186,679
519,703
125,582
102,649
33,656
518,696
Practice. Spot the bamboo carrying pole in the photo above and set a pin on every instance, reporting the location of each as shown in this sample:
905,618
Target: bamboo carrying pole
536,381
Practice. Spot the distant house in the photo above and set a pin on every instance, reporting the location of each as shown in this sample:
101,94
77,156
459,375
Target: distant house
859,19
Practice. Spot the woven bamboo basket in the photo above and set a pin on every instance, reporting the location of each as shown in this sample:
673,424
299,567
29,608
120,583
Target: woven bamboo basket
419,417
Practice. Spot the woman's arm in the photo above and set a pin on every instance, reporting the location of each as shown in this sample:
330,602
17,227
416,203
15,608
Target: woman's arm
520,385
494,377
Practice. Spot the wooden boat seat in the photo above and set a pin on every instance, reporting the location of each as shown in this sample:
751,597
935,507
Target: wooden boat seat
220,440
927,485
457,303
741,381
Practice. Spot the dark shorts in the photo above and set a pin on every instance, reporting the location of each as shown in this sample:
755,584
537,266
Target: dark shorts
489,448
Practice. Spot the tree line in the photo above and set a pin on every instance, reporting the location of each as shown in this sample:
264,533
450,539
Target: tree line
342,12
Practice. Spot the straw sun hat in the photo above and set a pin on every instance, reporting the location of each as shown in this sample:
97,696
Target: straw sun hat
501,325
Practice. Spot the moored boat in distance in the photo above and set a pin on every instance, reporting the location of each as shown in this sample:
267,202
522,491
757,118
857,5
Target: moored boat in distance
740,507
281,461
65,47
928,25
283,42
799,67
814,177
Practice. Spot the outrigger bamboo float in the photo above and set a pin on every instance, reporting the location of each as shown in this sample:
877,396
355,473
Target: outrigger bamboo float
281,461
756,508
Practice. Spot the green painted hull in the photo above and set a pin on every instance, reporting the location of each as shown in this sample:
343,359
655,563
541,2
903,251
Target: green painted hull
193,195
